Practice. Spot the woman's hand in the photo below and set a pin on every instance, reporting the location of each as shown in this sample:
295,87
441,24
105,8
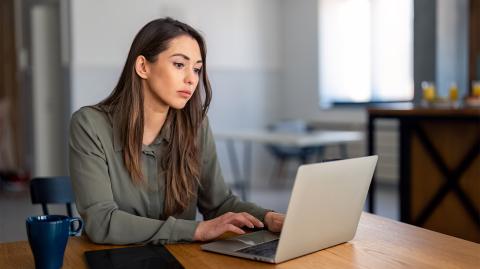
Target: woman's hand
274,221
228,222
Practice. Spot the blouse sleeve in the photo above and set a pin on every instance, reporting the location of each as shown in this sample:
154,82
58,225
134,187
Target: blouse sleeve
215,198
104,222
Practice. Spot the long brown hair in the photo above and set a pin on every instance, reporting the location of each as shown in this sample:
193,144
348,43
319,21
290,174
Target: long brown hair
182,160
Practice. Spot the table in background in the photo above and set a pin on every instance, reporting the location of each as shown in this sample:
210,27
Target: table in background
379,243
308,139
439,167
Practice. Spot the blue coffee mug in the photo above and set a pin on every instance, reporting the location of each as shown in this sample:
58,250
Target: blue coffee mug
48,236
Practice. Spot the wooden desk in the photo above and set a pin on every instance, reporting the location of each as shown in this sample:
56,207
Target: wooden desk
439,167
308,139
379,243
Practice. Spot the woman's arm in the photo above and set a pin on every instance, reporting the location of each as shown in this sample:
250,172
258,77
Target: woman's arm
216,202
215,198
104,222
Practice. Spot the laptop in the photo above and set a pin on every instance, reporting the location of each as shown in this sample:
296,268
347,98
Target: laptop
324,209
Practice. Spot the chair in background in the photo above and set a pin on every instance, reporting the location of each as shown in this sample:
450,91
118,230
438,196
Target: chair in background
283,154
52,190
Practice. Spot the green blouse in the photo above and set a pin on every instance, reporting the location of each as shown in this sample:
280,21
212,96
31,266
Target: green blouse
117,211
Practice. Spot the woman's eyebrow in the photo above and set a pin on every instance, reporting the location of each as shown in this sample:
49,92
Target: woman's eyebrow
184,56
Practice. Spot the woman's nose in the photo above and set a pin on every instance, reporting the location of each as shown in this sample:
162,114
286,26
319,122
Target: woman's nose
190,77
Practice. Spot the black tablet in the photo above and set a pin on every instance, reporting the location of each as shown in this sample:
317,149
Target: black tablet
139,257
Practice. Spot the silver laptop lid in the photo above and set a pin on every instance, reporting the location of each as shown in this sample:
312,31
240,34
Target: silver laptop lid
325,206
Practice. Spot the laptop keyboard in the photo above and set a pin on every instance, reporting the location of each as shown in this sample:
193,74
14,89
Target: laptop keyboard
267,249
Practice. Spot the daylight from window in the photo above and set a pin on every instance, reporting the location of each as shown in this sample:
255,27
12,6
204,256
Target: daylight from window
366,50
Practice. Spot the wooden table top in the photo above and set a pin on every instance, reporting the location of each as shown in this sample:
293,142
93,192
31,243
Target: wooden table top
379,243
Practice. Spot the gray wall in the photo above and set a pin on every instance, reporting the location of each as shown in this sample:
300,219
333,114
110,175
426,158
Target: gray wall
42,40
300,53
424,44
441,44
452,45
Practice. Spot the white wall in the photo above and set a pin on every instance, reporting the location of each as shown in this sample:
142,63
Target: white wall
243,51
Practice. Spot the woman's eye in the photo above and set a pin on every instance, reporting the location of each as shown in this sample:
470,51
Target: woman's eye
197,70
178,65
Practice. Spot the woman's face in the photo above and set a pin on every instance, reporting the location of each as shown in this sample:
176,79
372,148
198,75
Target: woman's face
171,80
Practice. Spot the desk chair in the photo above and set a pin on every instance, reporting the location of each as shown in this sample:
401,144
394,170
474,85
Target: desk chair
283,154
52,190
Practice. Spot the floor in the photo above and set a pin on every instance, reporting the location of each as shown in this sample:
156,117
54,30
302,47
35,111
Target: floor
15,206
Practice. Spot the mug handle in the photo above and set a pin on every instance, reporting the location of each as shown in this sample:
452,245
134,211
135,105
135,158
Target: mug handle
79,228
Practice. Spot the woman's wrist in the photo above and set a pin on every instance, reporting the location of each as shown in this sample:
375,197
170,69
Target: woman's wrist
197,235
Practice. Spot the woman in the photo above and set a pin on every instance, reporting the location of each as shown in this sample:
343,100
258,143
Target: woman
144,159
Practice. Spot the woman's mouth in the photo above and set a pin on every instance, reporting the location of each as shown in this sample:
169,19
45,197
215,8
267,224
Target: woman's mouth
185,93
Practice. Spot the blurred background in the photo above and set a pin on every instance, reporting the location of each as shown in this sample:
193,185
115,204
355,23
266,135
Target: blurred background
318,62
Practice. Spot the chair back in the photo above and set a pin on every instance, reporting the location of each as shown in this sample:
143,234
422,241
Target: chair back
52,190
291,127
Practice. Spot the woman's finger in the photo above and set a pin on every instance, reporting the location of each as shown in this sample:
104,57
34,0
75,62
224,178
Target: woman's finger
234,229
240,221
254,220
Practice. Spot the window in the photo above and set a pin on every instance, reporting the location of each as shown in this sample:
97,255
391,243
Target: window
366,50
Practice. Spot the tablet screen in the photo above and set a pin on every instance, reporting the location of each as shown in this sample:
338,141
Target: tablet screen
139,257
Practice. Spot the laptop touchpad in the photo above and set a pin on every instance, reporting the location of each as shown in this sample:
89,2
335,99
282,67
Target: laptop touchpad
252,239
233,244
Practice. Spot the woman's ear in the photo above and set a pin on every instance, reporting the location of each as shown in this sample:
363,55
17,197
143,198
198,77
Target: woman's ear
141,67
